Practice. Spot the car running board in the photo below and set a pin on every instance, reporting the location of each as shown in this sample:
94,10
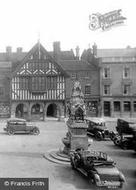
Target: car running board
82,171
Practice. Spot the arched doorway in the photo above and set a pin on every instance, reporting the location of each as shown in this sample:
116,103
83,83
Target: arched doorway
37,112
21,110
52,110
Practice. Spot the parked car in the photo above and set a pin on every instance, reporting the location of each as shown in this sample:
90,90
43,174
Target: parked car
98,167
17,125
125,137
97,128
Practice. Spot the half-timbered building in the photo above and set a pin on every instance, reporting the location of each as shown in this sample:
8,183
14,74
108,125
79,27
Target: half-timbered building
38,86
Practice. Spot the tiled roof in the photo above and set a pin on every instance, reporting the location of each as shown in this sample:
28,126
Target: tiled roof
126,52
65,55
4,64
75,65
12,57
67,58
16,57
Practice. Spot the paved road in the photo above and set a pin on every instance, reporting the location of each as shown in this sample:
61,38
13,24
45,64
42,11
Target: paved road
22,156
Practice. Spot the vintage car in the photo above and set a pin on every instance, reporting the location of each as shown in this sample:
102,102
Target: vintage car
17,125
125,137
97,128
98,167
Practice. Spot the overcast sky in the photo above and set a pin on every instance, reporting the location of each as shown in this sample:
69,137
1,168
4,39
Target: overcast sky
67,21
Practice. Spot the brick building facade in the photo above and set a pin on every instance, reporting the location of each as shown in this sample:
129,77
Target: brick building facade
118,82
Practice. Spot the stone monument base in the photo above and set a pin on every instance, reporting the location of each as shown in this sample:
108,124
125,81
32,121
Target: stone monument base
57,156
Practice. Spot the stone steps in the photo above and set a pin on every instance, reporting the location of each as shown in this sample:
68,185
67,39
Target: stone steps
56,157
62,154
59,157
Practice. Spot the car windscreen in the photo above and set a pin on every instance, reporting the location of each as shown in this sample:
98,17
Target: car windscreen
17,123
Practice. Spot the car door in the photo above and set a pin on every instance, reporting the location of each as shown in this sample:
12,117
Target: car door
21,126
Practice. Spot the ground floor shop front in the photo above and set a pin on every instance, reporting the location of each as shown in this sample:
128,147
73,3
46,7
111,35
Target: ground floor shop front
118,107
35,110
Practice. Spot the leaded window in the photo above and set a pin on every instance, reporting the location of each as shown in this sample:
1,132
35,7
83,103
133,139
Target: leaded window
37,84
51,83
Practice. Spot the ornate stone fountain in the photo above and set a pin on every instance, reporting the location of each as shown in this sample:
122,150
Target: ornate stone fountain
76,136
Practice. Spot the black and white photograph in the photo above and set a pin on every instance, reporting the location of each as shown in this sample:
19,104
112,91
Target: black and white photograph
67,94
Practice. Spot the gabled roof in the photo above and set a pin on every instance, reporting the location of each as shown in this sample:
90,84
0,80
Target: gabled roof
36,47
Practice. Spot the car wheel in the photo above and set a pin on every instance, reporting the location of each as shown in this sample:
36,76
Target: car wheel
124,145
121,185
35,131
91,179
117,141
11,132
112,136
98,136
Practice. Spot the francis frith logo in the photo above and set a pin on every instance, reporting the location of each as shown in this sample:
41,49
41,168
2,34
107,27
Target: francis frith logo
106,21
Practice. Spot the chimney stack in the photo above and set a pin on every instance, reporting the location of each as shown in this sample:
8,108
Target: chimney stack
8,49
94,49
19,50
77,52
8,52
56,50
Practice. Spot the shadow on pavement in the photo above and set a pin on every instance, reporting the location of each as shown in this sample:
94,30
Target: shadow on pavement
69,176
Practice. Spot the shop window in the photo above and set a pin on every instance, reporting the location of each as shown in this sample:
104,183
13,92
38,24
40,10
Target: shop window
106,72
87,89
134,106
127,106
106,89
116,106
